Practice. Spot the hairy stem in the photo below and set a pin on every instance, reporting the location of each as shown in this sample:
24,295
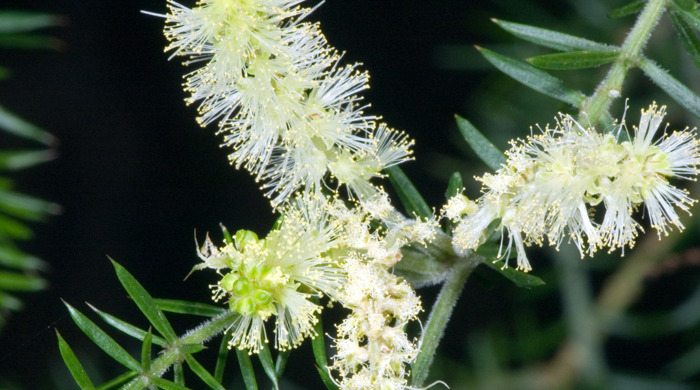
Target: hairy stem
598,105
440,314
174,355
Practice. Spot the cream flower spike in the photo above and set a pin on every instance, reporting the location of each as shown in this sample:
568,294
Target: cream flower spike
553,181
282,102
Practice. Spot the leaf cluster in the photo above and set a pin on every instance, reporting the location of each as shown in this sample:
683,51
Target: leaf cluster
20,271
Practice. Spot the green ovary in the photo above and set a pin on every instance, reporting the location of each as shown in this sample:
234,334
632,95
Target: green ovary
251,292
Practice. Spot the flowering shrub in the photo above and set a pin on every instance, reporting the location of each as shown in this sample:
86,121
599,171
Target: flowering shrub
291,113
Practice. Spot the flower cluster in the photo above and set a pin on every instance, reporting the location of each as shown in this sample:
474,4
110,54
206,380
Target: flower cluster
552,182
372,347
277,275
290,112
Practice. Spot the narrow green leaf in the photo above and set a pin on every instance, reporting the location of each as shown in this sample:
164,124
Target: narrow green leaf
20,159
127,328
19,127
268,365
221,358
145,302
13,281
519,278
4,73
685,5
281,362
246,369
574,59
532,77
178,373
455,185
688,37
25,206
686,366
22,21
102,340
14,229
487,152
191,348
187,307
409,196
146,351
202,373
14,258
9,302
76,369
628,9
117,381
674,88
693,18
167,385
549,38
29,41
319,347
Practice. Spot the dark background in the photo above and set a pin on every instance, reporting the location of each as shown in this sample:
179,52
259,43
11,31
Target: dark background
137,177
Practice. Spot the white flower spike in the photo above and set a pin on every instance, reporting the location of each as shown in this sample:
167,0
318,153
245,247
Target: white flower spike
553,182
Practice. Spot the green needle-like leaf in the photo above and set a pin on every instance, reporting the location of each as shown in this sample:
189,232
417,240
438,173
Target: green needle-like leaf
76,369
532,77
281,363
409,196
319,347
246,369
688,37
13,229
519,278
186,307
19,127
127,328
167,385
674,88
14,258
117,381
20,159
628,9
29,41
692,17
455,185
268,365
25,206
178,374
549,38
221,358
145,302
487,152
13,281
202,373
22,21
574,59
146,350
102,340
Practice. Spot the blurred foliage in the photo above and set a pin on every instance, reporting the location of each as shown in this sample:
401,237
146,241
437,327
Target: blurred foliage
21,271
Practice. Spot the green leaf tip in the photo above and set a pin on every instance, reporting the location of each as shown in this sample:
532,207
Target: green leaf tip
484,149
533,78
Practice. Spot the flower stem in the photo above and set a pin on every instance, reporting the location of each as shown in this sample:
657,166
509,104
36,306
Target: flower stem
173,354
598,105
437,321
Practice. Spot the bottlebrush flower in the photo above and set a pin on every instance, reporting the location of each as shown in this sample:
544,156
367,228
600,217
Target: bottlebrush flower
553,181
274,86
